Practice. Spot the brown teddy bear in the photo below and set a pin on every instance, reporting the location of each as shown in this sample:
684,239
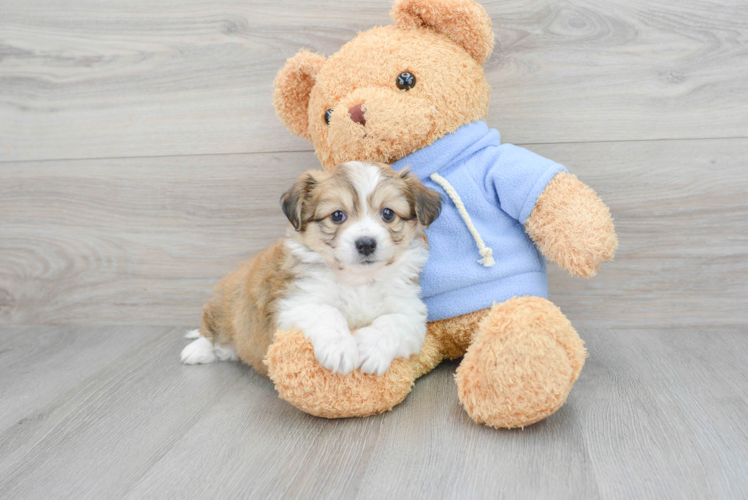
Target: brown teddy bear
415,94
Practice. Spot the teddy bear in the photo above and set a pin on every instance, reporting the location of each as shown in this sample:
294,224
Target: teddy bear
414,94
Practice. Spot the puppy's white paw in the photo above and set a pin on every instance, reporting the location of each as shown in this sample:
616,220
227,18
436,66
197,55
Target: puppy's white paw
337,353
375,354
224,353
192,334
199,351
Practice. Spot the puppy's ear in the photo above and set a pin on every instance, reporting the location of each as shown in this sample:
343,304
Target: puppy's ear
465,22
292,89
427,203
294,202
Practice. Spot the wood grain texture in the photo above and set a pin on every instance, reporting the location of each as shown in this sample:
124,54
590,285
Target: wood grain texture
655,414
662,404
681,214
103,78
142,241
133,240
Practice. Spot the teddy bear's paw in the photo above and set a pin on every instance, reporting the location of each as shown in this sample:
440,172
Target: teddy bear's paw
302,381
572,226
521,365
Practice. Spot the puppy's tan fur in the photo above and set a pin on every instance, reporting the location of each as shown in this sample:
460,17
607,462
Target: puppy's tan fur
242,312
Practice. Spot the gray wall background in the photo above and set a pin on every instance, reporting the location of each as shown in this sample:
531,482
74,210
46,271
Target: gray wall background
141,160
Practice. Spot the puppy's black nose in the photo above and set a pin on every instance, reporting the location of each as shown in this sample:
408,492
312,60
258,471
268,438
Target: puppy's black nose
366,246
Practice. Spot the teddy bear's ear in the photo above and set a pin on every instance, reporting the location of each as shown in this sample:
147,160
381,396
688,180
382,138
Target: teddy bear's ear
293,86
464,21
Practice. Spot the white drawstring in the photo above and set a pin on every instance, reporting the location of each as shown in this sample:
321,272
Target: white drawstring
485,252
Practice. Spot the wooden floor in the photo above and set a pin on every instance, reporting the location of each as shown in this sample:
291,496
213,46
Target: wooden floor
108,412
140,160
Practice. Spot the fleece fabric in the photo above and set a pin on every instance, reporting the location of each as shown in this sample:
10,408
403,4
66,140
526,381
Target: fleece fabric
498,185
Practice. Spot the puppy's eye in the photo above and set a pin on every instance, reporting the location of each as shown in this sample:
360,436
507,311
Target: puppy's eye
338,217
405,81
388,215
328,115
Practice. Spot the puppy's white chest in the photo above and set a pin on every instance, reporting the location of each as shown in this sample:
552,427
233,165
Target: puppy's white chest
362,305
359,299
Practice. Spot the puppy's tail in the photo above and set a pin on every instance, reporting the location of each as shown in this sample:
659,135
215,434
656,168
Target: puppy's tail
208,326
206,329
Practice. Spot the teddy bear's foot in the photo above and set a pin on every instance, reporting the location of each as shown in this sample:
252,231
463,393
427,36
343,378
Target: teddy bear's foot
300,380
521,365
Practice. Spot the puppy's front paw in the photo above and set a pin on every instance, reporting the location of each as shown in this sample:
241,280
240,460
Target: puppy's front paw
374,353
337,353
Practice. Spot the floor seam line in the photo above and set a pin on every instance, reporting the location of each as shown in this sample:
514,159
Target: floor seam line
243,153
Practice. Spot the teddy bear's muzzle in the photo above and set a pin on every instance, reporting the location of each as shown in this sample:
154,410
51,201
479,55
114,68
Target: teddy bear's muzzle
378,123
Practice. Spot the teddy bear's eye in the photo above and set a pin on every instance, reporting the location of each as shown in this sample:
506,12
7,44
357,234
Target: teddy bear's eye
328,115
406,81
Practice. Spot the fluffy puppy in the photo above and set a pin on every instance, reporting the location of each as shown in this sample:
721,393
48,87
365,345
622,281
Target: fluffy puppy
346,275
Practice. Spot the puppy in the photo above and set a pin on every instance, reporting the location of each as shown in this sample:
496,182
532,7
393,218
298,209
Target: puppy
346,275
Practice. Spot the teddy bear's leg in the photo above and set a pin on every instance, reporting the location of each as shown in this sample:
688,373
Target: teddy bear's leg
300,380
521,365
447,339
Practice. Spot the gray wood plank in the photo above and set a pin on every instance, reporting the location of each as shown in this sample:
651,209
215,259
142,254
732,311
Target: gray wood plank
664,413
425,448
39,364
142,241
464,460
96,436
103,240
681,214
655,414
105,78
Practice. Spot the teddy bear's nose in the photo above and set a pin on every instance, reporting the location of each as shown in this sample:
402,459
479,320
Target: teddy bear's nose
357,114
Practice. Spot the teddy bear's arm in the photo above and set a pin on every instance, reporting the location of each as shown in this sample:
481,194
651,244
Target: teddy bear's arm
572,226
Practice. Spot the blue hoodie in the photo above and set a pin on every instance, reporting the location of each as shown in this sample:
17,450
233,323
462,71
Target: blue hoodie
498,184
